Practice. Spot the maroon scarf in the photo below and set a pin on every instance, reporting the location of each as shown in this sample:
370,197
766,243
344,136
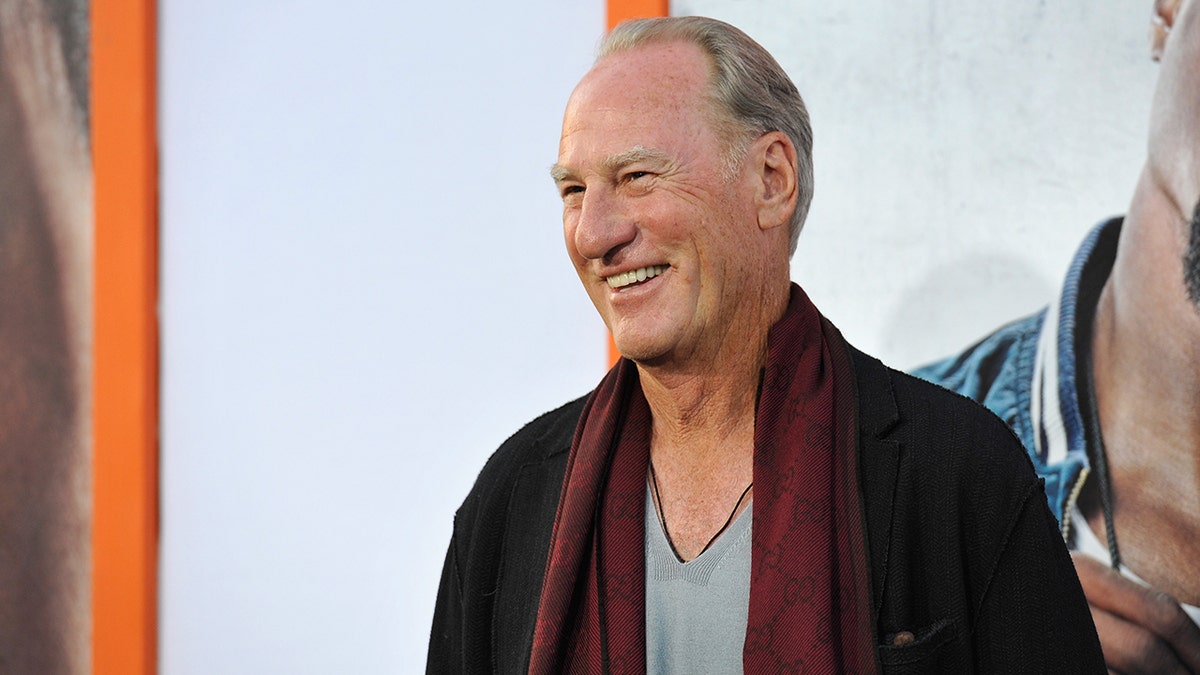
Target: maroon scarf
809,601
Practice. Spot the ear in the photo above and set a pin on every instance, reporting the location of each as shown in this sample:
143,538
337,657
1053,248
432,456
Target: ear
1161,24
775,161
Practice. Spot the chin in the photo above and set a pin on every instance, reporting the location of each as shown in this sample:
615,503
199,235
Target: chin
636,351
641,348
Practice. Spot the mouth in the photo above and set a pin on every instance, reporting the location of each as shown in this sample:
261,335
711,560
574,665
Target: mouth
635,276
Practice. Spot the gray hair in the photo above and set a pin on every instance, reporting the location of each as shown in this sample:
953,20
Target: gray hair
748,89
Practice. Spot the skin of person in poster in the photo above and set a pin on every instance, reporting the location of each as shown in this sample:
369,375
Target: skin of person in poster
1129,417
45,327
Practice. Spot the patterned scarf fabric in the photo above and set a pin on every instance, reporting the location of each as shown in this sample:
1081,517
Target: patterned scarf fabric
809,594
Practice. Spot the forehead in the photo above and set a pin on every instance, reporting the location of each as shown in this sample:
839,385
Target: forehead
637,95
651,73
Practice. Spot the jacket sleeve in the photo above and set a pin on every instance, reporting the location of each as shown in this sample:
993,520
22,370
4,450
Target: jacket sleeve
1033,612
445,638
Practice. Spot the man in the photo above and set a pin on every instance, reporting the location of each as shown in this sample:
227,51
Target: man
45,338
743,491
1103,386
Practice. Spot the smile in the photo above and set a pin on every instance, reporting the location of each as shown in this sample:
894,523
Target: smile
634,276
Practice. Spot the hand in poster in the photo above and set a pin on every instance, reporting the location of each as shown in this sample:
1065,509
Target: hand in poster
1141,630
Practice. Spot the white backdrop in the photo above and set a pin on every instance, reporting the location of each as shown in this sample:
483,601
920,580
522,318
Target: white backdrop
364,288
363,293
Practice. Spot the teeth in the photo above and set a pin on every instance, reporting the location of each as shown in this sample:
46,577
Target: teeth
634,276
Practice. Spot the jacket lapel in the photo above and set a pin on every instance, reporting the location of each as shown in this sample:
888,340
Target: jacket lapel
879,461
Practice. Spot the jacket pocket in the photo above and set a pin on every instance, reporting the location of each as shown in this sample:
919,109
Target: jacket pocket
917,651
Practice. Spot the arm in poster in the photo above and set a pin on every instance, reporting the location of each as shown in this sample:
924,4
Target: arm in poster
45,327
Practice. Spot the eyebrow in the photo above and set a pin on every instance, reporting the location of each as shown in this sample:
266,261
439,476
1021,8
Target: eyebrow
615,162
559,173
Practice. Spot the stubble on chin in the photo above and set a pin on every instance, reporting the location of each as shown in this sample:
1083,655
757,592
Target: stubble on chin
1191,259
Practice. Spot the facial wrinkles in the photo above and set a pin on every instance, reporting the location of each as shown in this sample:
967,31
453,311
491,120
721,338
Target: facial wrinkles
664,245
723,328
644,119
673,178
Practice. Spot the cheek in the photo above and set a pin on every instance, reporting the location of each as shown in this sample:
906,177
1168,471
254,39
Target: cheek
1175,119
671,221
570,224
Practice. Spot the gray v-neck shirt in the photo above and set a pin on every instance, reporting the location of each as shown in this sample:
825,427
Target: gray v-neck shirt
696,611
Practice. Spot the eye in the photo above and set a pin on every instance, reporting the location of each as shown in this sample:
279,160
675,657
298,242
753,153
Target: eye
569,191
636,175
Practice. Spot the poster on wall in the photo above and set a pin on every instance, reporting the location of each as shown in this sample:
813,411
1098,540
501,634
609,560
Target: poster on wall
46,262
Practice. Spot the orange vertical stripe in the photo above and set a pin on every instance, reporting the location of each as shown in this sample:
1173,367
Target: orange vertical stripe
125,384
618,11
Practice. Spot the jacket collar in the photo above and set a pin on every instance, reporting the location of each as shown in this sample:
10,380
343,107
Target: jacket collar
1060,381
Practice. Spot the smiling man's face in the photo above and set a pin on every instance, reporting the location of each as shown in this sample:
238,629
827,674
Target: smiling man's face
660,232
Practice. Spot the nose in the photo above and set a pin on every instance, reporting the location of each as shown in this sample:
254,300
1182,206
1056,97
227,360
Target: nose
602,225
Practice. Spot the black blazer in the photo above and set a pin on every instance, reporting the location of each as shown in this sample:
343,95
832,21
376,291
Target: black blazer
964,552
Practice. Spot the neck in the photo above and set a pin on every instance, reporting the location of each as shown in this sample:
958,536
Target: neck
1146,369
702,437
704,407
1146,342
